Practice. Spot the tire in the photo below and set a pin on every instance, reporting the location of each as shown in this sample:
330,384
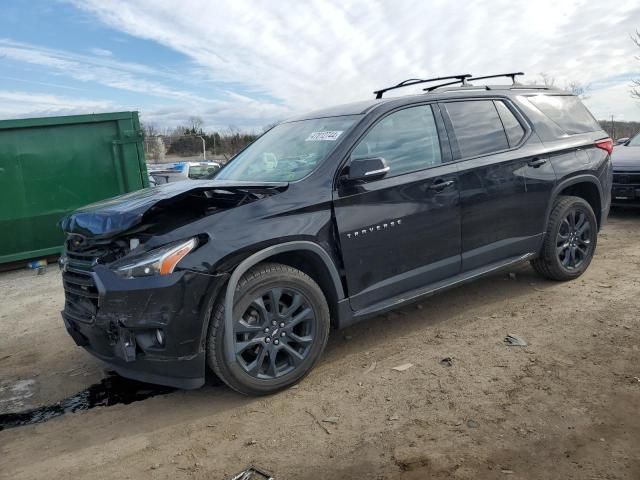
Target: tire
267,366
556,261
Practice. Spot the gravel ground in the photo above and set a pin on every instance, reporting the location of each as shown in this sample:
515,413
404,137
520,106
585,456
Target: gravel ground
564,407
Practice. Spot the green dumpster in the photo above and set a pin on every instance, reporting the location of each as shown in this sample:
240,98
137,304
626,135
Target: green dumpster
51,166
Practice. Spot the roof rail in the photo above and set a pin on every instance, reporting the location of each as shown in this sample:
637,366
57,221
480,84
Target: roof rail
511,75
414,81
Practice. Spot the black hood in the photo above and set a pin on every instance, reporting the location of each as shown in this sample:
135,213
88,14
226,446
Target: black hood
626,158
118,214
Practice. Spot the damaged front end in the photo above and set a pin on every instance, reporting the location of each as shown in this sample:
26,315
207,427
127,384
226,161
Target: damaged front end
127,300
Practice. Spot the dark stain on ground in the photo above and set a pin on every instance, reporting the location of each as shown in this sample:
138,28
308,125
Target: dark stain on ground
112,390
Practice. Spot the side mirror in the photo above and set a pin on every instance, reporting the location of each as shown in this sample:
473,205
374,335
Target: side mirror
367,169
622,140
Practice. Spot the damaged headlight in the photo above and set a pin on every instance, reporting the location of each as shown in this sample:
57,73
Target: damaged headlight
160,261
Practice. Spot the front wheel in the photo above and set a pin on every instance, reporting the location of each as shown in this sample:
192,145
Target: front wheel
280,328
570,241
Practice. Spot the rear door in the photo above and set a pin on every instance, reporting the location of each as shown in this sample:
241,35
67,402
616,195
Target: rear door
498,206
400,232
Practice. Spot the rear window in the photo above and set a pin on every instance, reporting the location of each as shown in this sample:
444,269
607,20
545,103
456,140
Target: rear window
477,127
567,112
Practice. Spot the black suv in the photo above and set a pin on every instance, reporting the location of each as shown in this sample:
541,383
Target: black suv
328,219
626,173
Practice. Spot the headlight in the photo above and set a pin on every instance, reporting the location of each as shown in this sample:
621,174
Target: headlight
160,261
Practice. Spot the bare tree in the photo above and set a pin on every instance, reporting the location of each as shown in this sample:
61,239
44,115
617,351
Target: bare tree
578,89
149,129
574,86
635,89
547,80
195,124
154,148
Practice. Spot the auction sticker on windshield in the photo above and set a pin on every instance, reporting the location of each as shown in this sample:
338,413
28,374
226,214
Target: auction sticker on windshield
330,136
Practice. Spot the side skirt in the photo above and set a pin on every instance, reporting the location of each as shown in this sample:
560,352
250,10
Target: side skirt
428,290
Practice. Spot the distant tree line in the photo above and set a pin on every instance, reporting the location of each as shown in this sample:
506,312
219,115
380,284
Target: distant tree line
635,83
186,140
618,129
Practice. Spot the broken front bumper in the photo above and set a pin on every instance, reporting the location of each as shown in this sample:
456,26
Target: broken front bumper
151,329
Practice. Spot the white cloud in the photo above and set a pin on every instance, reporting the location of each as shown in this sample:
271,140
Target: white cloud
318,53
247,115
17,104
614,100
101,52
223,109
101,70
289,57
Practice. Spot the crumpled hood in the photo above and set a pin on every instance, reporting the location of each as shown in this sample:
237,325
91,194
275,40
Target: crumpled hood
115,215
626,158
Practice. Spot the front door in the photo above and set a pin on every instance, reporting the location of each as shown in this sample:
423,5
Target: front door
400,232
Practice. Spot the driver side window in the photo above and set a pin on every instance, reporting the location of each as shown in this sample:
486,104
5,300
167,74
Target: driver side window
406,139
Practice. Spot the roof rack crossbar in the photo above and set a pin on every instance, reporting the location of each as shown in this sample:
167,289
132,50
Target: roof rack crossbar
415,81
510,75
430,89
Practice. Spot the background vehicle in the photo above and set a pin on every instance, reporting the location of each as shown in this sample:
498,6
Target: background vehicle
626,173
328,219
175,172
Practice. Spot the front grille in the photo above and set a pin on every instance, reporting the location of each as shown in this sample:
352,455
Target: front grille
80,290
626,178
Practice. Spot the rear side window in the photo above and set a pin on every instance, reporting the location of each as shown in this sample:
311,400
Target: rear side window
567,112
407,140
511,125
477,127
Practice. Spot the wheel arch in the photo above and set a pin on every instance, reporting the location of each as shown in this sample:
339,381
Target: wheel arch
586,187
320,267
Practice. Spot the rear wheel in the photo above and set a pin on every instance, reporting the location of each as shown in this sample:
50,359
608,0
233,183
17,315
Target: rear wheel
570,241
280,328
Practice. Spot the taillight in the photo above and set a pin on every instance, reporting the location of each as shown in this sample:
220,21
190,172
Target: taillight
606,144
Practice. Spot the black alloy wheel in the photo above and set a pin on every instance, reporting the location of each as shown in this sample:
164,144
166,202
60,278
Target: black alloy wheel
570,240
275,333
574,239
281,326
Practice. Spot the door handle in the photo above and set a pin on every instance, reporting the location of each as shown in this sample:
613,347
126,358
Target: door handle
439,184
537,162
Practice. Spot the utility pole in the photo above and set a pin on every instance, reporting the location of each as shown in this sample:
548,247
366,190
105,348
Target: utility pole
613,129
204,147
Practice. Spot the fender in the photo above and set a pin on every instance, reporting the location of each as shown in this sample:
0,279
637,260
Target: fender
256,258
567,182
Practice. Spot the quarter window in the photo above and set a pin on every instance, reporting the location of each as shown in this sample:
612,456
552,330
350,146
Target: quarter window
477,127
407,140
512,126
567,112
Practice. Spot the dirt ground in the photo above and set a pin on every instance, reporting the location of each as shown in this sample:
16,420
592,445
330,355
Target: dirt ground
565,407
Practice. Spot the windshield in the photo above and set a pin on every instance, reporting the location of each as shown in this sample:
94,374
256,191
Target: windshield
635,141
288,151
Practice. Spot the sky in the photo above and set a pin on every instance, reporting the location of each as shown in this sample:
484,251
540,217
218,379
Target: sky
248,63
